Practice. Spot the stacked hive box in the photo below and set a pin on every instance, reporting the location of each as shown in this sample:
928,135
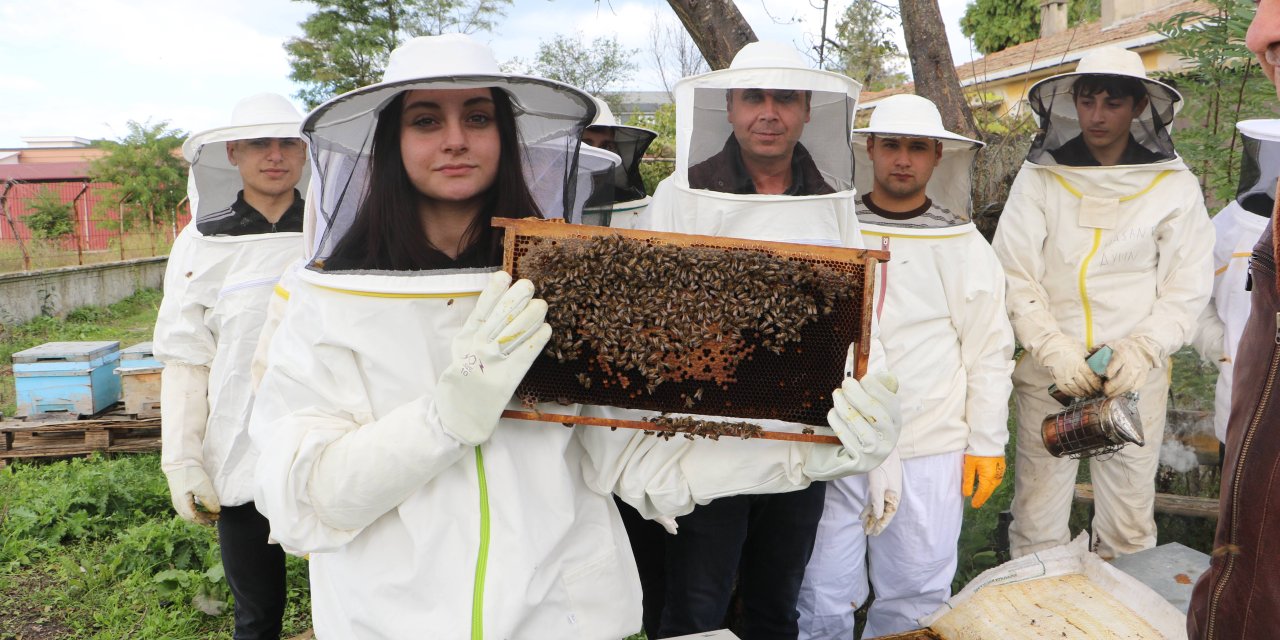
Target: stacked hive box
140,380
77,378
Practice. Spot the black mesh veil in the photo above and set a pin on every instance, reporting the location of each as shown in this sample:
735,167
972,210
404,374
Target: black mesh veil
549,119
1060,137
1259,165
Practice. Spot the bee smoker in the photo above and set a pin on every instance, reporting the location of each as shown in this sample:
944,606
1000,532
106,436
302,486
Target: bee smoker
1095,426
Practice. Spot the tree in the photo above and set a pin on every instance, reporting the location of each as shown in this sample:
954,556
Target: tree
865,50
346,43
150,178
716,26
49,216
662,151
590,67
931,65
674,53
994,25
1223,85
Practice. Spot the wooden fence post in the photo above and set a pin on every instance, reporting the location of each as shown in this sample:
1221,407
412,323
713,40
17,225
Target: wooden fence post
4,207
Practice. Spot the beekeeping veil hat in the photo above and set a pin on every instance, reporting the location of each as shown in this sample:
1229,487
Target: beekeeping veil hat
704,133
1259,165
630,143
911,116
1053,102
213,182
549,119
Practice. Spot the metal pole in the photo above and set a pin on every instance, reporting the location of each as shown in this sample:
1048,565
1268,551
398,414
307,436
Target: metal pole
122,230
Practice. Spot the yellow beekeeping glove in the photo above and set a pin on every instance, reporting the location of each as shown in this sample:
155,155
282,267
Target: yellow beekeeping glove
989,472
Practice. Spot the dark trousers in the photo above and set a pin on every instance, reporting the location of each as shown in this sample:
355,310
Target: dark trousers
648,544
255,572
764,541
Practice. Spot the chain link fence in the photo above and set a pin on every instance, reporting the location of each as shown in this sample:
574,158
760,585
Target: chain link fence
90,228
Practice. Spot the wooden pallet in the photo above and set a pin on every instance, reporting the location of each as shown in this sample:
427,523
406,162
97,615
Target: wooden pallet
50,439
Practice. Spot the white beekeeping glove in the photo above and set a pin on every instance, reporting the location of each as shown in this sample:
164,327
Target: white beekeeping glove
188,484
184,416
1065,360
496,346
866,418
884,494
1131,362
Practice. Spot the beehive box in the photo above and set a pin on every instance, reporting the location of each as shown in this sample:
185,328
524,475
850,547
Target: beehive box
77,378
140,380
692,324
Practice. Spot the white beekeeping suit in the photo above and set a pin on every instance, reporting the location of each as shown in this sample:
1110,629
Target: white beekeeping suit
384,453
628,198
767,104
216,292
1099,255
245,230
1238,226
940,305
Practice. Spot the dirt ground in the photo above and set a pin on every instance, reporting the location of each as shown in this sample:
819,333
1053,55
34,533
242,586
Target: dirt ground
23,617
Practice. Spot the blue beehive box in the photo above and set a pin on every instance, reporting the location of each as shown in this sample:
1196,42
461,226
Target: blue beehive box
140,380
74,377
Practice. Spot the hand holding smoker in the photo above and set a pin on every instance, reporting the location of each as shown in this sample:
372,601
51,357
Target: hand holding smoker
1095,425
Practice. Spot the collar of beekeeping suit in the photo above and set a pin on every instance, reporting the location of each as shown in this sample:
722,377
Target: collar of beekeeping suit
213,182
1259,165
703,129
549,118
1053,104
911,116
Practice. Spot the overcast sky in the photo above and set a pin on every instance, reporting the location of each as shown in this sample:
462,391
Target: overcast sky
86,67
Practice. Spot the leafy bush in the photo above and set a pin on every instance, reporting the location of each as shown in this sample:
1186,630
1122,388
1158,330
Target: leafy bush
660,157
1222,86
49,216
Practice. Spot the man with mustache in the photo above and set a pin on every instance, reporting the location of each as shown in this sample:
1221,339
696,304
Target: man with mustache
764,155
1239,596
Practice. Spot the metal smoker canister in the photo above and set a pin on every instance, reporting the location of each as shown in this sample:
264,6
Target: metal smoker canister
1093,427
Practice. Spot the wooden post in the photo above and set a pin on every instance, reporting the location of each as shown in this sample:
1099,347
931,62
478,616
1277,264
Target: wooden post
13,224
121,211
79,244
151,228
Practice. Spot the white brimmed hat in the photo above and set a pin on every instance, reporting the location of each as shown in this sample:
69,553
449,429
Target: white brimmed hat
1106,61
1261,129
912,116
265,115
450,61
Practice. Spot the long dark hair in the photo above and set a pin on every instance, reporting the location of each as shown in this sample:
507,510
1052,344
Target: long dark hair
387,234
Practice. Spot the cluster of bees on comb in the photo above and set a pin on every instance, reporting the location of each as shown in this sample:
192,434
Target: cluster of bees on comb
637,314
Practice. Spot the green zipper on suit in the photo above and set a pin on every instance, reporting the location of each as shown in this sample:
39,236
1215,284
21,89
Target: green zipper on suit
482,558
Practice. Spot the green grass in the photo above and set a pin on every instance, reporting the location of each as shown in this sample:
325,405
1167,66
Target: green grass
130,321
91,549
